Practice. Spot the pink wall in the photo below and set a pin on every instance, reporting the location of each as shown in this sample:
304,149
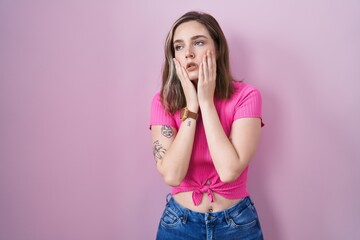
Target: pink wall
75,149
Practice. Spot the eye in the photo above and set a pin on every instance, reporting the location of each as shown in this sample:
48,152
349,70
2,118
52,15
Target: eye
199,43
178,47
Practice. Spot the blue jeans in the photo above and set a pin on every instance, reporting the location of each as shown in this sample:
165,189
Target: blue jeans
237,222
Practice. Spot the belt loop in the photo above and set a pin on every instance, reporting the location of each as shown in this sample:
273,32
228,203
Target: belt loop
185,216
167,197
227,217
251,201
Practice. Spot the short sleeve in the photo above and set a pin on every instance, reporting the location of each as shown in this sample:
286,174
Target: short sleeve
249,104
158,114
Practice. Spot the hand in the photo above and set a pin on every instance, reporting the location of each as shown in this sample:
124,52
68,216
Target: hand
187,86
207,79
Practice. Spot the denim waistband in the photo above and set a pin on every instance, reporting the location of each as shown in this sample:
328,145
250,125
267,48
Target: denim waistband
189,215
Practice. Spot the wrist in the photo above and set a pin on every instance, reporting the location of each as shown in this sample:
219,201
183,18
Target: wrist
206,104
187,113
193,108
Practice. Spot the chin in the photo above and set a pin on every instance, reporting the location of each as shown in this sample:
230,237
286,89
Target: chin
193,75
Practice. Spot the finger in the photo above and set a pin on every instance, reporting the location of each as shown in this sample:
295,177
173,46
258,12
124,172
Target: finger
201,73
176,65
213,65
205,67
210,66
184,73
179,71
175,62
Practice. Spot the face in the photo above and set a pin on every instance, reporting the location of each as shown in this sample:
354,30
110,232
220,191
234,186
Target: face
191,41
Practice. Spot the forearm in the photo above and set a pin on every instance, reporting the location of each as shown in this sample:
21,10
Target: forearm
224,156
174,165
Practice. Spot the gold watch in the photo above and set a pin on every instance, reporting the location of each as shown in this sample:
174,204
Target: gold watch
186,113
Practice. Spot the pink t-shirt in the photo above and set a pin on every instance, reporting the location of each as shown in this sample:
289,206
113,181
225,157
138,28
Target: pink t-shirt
201,176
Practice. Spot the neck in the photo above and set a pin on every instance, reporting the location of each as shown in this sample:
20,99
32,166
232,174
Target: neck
194,82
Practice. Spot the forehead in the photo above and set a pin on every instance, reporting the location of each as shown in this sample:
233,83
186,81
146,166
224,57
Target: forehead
189,29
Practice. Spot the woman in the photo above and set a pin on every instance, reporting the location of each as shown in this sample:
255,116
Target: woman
205,129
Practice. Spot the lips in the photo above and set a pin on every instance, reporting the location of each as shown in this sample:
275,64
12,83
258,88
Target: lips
191,66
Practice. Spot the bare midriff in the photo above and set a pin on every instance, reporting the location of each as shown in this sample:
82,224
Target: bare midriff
220,203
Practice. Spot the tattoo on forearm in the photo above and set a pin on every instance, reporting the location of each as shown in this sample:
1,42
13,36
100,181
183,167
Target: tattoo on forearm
189,123
167,131
158,150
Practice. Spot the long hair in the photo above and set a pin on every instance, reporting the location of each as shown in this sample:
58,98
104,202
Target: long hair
172,95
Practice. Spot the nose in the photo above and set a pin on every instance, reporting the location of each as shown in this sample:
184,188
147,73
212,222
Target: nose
189,54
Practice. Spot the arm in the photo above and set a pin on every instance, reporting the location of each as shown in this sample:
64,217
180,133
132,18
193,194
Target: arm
230,155
172,151
172,154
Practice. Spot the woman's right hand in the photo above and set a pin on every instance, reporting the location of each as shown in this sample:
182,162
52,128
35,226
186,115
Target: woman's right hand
188,87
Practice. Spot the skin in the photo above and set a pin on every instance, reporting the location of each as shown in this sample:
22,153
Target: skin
192,43
172,149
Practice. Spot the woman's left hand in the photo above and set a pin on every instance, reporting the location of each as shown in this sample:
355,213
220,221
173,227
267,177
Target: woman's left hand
207,79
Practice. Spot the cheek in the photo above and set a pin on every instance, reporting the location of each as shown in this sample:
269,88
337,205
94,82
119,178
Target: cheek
179,56
204,50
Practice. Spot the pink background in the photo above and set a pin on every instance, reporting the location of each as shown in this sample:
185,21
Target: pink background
76,81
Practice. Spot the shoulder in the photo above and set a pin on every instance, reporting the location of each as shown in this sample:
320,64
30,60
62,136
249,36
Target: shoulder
157,106
159,115
156,100
243,90
156,97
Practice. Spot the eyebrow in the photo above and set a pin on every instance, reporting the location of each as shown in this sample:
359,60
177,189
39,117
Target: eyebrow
192,38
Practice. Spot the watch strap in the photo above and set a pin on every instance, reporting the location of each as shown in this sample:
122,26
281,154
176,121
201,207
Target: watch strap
186,113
